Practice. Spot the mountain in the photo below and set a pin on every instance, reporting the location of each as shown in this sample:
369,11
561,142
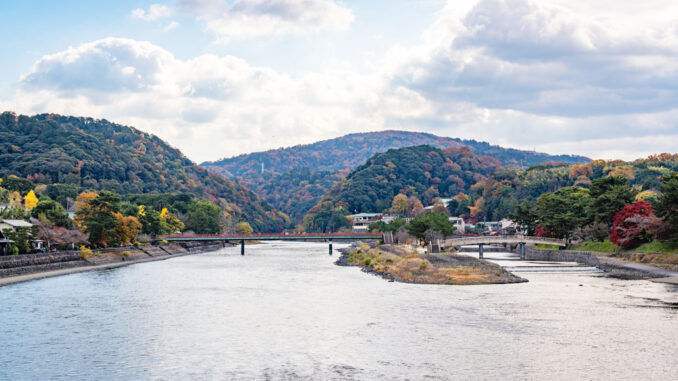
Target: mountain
293,179
350,151
480,188
424,172
97,154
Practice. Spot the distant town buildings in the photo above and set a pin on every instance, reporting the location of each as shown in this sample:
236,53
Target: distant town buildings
361,222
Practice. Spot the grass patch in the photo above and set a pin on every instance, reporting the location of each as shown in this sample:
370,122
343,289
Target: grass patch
601,247
546,246
657,247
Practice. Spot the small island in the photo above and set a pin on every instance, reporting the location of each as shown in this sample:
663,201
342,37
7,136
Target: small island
404,264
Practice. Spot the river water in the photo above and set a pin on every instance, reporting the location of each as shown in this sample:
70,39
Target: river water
285,311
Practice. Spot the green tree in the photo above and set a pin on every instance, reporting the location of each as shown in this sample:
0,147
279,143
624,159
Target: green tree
438,222
203,217
64,194
392,226
666,206
608,196
563,211
173,222
152,223
525,216
100,221
330,220
53,212
15,183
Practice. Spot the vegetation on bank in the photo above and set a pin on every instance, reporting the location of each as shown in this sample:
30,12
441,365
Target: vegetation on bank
406,265
609,215
63,156
105,219
480,190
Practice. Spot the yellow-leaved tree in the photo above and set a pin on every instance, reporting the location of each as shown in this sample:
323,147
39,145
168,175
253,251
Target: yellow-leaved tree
243,228
82,208
30,200
400,204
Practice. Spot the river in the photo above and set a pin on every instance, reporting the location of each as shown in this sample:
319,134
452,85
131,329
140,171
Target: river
285,311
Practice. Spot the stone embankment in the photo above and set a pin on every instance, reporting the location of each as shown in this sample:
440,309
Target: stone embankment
616,267
21,268
404,264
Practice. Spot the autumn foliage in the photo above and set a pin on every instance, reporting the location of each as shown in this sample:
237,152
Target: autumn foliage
634,224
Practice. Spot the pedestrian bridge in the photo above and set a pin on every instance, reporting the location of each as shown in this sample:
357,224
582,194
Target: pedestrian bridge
269,237
519,240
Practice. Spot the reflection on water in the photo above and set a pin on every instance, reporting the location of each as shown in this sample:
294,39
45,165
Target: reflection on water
284,311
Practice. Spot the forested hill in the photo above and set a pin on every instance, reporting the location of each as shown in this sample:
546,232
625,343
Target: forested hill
97,154
423,172
479,188
350,151
295,178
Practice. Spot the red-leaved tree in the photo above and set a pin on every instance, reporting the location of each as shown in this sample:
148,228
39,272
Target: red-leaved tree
541,231
634,224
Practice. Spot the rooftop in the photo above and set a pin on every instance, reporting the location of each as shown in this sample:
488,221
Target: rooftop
16,223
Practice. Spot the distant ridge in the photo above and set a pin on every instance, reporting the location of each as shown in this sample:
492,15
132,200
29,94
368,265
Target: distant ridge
294,179
352,150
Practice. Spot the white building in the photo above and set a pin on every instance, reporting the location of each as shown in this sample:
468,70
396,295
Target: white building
14,224
361,221
445,201
459,224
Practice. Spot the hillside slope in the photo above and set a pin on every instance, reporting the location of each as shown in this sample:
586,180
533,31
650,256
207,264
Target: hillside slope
352,150
295,178
422,171
97,154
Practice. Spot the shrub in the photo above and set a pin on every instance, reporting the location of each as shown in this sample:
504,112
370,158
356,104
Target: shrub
634,224
85,252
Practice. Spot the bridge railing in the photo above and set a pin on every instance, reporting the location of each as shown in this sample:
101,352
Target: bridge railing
503,239
271,235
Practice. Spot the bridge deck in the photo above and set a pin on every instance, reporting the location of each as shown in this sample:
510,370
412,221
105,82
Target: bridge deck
270,237
487,240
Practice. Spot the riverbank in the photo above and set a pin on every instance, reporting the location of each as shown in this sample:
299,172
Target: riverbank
615,265
404,264
23,268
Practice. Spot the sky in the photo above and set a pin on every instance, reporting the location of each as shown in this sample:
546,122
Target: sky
218,78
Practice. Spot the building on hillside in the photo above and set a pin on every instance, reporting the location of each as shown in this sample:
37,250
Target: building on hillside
14,224
445,201
4,242
361,222
459,225
509,227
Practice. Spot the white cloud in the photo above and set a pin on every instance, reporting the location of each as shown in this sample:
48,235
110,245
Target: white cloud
155,12
558,77
544,59
170,26
254,18
209,106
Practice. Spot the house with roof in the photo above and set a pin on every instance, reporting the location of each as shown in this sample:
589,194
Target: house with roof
15,225
361,221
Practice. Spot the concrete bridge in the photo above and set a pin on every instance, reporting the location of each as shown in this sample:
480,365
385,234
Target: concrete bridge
519,240
269,237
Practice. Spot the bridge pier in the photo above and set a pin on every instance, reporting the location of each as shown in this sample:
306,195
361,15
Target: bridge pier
330,246
242,247
522,250
480,251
